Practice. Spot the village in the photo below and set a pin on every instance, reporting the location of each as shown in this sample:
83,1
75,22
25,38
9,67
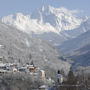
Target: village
16,67
62,82
26,69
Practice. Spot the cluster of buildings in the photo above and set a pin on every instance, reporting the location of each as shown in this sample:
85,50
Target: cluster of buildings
16,67
6,67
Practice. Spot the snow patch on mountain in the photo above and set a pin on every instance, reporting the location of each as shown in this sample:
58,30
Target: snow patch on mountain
28,25
27,43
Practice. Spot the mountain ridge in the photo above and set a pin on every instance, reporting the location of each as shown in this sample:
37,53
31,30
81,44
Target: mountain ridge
45,21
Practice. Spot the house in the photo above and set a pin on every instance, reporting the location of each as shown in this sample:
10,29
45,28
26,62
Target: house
59,77
15,69
43,74
22,69
2,59
3,66
10,66
31,68
3,71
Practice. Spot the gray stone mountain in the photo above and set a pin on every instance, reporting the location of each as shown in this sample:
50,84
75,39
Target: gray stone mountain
17,46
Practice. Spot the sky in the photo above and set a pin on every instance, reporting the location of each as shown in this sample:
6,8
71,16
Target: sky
27,6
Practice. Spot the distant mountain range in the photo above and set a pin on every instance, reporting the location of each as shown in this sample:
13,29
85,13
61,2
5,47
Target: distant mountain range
77,49
61,27
48,23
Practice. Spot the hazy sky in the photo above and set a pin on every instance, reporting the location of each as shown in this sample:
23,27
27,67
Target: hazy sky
26,6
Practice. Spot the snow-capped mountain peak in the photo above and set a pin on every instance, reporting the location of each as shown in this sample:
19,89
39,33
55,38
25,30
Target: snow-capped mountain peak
26,24
44,20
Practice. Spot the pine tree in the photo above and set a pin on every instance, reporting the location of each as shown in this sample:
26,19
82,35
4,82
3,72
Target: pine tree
30,56
62,72
71,77
32,63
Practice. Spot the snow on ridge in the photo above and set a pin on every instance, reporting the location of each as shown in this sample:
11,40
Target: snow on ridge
60,18
51,20
27,43
28,25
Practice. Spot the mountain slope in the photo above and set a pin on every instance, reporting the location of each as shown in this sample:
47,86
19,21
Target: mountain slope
78,50
75,43
81,56
17,46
